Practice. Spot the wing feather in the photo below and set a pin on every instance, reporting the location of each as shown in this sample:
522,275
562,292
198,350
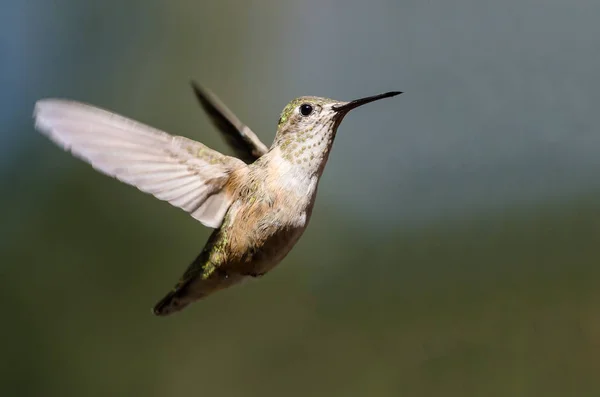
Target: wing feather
246,145
186,173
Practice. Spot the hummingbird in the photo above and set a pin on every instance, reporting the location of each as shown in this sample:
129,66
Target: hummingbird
259,203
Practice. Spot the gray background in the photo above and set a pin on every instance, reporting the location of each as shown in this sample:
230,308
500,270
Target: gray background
453,247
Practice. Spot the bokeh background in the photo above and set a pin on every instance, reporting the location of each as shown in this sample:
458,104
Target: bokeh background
454,246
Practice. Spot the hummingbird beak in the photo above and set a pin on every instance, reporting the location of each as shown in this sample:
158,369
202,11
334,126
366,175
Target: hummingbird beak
359,102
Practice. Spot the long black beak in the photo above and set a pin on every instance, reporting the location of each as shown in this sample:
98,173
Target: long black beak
359,102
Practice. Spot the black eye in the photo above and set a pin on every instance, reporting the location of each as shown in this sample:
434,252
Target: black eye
306,109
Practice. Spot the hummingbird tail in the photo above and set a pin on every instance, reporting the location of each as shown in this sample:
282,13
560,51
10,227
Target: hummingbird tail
192,286
181,296
171,303
201,279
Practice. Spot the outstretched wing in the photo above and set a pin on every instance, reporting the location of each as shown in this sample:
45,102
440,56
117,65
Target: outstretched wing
176,169
244,142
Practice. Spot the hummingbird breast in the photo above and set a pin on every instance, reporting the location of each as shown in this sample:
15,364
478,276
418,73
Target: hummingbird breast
271,209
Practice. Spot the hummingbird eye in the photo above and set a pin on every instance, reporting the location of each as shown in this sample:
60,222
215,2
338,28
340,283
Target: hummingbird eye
306,109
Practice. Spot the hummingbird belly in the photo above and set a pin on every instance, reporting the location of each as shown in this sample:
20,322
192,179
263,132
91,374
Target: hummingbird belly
259,237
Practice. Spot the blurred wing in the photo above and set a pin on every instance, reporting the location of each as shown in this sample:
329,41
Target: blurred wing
244,142
183,172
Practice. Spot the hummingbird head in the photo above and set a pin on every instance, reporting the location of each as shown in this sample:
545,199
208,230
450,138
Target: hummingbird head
307,126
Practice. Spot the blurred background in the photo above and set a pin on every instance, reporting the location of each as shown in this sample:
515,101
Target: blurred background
453,249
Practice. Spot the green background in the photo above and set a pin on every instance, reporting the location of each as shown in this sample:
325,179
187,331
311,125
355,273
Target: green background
453,249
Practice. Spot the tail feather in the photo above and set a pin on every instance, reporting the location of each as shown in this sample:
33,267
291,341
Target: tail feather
197,282
181,296
171,303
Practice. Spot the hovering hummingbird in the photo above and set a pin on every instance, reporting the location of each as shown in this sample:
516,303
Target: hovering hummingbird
259,204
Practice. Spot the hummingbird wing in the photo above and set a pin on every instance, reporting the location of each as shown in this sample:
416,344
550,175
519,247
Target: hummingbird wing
176,169
246,145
